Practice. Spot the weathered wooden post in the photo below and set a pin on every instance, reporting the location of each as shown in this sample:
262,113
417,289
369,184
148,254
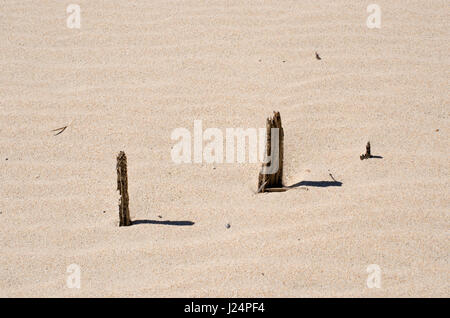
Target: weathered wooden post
122,186
367,155
271,174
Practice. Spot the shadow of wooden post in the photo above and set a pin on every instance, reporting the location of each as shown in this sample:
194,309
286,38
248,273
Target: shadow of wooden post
271,174
122,186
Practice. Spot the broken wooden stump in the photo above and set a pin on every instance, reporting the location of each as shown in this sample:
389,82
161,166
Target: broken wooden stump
271,174
367,155
122,186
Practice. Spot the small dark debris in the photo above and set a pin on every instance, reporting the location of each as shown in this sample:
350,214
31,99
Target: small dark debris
284,61
104,211
160,216
317,56
228,225
6,159
437,130
59,130
367,155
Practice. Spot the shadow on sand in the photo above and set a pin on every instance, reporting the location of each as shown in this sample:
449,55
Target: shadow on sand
176,223
320,184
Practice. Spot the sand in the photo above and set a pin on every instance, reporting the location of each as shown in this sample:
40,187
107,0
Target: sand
137,70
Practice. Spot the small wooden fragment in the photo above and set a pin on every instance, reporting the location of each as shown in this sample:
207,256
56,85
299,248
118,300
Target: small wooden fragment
367,155
284,189
274,180
122,186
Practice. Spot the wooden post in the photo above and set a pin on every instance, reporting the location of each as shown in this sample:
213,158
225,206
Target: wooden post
122,186
367,155
272,179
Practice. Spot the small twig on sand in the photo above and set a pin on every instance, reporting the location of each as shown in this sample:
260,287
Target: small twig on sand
60,130
332,177
283,189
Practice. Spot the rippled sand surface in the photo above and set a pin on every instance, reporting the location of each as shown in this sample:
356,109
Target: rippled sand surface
137,70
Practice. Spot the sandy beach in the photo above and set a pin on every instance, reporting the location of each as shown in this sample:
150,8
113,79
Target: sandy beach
137,70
